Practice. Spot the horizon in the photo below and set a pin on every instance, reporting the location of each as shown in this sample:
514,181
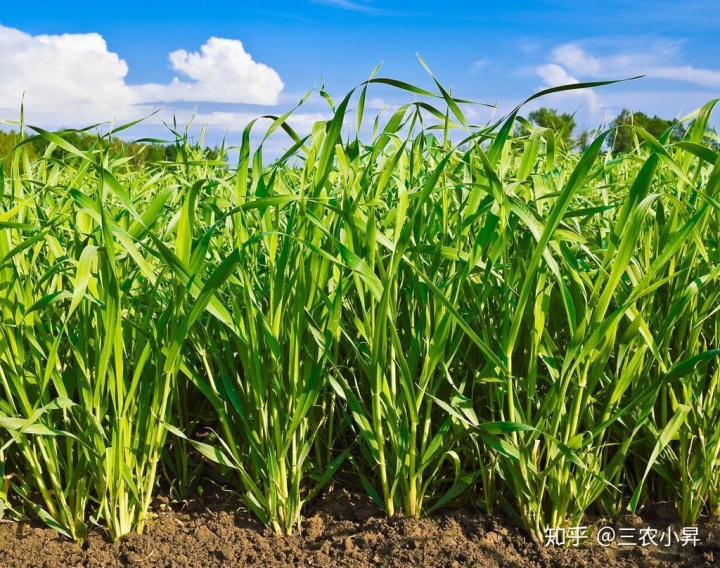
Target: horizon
76,66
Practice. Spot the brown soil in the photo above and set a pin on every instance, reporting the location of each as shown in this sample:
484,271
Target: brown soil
341,529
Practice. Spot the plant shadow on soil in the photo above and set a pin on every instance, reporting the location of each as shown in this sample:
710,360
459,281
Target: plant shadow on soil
340,529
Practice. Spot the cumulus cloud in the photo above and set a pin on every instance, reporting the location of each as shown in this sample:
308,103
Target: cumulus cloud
576,59
70,74
223,72
74,79
554,75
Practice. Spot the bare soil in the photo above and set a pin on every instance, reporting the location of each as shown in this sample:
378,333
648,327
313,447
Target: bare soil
342,529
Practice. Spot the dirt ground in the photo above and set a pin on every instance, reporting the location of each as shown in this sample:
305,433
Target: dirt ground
343,529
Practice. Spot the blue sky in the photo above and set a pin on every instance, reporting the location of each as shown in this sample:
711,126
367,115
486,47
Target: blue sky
85,62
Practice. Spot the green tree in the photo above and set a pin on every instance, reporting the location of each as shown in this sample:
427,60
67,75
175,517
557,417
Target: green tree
561,124
140,153
583,141
622,138
8,140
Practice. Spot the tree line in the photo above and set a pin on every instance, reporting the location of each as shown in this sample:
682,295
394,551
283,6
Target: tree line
621,138
140,153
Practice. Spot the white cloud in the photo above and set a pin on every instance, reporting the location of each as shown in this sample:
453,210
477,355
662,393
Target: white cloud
656,60
222,72
348,5
554,75
377,103
660,60
235,121
688,74
577,60
74,80
667,104
73,75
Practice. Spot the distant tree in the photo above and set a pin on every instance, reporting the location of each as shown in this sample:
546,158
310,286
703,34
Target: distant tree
583,140
8,140
622,138
139,153
561,124
714,143
152,152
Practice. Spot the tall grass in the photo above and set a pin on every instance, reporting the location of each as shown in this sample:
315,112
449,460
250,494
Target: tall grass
86,318
438,312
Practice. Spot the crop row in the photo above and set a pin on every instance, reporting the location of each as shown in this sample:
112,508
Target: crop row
495,321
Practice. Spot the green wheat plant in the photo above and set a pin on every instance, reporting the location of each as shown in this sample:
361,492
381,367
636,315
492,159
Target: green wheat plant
84,375
436,312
